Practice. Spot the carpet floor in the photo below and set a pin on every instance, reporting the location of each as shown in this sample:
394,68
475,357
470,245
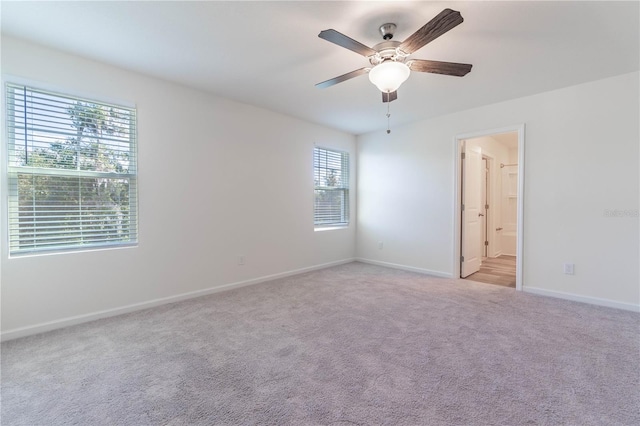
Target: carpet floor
353,344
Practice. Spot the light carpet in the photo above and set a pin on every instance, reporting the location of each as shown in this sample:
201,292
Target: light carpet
353,344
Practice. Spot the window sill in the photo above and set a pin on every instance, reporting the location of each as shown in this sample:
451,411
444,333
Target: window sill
329,228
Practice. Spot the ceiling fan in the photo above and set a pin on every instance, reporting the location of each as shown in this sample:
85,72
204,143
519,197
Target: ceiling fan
390,61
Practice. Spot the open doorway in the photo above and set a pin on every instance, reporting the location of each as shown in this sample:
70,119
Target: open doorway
489,219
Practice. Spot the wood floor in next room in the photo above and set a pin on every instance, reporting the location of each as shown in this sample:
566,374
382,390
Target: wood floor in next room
499,270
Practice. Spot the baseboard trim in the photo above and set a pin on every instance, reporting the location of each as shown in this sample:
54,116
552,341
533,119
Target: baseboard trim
584,299
79,319
405,268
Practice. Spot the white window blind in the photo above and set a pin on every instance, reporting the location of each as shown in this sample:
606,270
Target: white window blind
331,177
71,172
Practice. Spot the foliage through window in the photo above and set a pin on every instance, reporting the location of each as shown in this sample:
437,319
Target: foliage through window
71,172
331,178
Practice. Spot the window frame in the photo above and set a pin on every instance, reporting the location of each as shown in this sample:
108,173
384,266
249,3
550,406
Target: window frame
11,171
344,189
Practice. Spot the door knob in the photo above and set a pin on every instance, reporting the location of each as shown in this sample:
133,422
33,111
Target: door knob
480,214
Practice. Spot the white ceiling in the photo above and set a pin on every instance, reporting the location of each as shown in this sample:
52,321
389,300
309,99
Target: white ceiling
268,54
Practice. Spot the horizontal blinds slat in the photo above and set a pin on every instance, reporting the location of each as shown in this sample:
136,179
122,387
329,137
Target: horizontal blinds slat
59,214
65,221
50,225
62,131
58,133
30,242
72,180
23,240
66,218
43,129
71,173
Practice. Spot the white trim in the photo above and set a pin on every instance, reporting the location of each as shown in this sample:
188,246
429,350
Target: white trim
79,319
330,228
520,236
457,148
405,268
4,185
490,194
584,299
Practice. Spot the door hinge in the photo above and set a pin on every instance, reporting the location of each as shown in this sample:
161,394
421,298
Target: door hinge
486,206
463,207
463,155
486,243
461,258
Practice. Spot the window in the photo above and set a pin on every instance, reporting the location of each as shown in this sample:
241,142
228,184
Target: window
331,176
71,172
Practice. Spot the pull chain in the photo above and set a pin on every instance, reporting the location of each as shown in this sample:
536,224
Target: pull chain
388,115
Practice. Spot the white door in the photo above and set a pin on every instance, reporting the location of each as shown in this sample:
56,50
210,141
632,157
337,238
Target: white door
471,219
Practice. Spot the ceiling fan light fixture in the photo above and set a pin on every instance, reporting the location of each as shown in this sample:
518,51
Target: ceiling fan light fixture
389,75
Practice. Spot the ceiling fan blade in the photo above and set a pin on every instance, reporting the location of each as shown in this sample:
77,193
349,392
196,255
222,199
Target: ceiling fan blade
341,78
348,43
437,67
446,20
389,97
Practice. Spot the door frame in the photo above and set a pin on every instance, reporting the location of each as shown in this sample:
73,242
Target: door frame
457,199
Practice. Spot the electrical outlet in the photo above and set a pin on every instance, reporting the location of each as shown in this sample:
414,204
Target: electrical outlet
380,245
568,268
241,260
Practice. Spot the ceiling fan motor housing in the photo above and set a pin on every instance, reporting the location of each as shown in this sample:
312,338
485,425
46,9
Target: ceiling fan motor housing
387,51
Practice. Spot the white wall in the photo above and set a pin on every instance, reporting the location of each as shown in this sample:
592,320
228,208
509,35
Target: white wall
581,160
217,179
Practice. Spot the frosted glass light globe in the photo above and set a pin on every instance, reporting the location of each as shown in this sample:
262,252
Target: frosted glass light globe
389,75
